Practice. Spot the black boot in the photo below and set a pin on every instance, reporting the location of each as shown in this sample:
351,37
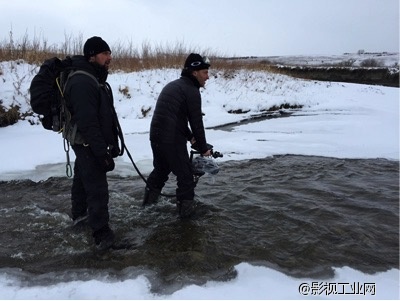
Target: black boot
150,196
186,208
104,238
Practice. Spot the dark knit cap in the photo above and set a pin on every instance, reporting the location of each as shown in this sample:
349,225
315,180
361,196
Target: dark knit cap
196,62
95,45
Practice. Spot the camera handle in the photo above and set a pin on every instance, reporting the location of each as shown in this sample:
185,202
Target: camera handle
214,154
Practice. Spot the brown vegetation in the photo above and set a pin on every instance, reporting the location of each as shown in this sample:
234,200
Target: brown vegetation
9,117
368,76
128,58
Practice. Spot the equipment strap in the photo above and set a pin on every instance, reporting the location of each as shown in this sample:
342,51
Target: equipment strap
68,167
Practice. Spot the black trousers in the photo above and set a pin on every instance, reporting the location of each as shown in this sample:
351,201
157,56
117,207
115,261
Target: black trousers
173,158
89,192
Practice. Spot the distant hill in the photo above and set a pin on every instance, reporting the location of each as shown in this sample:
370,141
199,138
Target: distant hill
362,68
366,59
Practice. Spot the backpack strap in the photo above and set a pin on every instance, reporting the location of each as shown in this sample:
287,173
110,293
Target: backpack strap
59,84
70,134
71,74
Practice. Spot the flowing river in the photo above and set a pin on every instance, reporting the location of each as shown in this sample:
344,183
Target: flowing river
301,215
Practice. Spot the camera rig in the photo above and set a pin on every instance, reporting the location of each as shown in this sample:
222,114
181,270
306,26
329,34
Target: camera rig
195,151
202,164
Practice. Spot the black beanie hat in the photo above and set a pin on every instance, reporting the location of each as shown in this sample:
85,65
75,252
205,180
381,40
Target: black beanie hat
95,45
196,62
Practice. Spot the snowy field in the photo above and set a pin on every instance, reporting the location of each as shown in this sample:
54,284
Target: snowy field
384,59
337,120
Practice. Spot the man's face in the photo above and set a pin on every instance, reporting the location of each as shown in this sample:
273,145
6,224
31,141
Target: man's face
201,76
103,59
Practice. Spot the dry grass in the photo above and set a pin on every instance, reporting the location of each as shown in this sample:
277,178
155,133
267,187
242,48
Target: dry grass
9,117
126,56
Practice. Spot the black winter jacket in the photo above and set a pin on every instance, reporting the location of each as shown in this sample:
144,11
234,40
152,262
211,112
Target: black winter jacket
92,108
178,105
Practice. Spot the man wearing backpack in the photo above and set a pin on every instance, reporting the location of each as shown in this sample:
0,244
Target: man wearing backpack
97,130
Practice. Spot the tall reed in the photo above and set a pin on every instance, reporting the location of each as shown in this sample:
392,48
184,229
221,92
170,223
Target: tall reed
127,56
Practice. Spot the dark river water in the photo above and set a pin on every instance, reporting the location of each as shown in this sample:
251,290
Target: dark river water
301,215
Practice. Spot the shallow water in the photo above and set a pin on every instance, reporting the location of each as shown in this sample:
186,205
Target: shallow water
301,215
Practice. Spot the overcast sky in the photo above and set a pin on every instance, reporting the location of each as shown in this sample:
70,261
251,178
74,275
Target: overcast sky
227,27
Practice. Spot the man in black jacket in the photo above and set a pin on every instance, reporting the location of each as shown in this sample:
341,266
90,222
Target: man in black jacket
178,106
95,143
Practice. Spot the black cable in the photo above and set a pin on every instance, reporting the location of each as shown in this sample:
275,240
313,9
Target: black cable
143,178
123,146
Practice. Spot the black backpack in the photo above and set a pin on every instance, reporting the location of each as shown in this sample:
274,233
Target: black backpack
47,92
47,99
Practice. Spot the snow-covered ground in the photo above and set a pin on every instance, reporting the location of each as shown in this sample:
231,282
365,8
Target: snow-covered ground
337,120
382,59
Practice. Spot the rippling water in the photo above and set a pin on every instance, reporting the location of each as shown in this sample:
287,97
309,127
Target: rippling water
301,215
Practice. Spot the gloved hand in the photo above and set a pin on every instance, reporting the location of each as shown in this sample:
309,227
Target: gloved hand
195,146
106,162
115,151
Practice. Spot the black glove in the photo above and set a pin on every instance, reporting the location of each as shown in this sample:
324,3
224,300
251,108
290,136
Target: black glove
106,162
195,146
115,151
